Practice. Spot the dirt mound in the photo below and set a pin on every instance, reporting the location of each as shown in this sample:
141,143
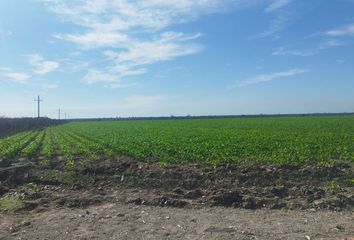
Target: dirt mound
191,185
232,185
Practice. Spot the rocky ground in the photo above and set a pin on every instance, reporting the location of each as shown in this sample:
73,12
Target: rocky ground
128,199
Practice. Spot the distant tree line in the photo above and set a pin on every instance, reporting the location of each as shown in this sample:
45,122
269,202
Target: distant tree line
209,116
10,126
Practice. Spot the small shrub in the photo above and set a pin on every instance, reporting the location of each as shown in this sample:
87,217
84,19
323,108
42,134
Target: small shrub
334,186
31,186
10,203
164,165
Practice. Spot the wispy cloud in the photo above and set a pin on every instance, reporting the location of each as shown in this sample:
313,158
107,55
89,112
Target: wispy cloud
94,76
111,80
276,5
74,65
276,25
326,44
96,39
325,40
18,77
269,77
279,20
341,31
330,43
41,65
340,61
132,34
286,52
166,46
122,15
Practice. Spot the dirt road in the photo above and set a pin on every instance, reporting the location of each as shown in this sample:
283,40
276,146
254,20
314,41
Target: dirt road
127,221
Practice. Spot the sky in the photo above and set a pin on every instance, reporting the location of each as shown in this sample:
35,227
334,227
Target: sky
121,58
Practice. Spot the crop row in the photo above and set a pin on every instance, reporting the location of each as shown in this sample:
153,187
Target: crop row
296,140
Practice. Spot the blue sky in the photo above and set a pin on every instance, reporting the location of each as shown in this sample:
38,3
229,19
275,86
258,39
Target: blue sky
106,58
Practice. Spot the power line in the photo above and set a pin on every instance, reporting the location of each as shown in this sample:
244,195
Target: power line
39,100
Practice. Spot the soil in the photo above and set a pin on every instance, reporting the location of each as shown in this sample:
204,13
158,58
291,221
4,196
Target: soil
121,221
128,199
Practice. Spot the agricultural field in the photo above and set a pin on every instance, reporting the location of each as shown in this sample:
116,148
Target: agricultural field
282,140
169,167
280,162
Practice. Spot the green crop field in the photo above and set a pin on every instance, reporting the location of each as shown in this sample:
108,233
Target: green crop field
278,140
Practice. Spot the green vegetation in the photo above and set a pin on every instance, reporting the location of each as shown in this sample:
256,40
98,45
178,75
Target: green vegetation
73,177
10,203
278,140
31,186
334,186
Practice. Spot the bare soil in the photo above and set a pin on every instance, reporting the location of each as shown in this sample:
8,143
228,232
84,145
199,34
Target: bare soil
128,199
122,221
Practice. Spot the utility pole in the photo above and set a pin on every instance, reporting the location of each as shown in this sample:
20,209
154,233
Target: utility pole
65,116
39,100
59,114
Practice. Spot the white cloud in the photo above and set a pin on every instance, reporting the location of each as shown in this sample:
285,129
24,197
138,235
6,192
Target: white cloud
132,34
74,65
282,51
126,70
276,25
279,21
341,32
167,46
18,77
133,60
269,77
94,76
286,52
96,39
110,79
277,4
42,66
112,15
330,43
